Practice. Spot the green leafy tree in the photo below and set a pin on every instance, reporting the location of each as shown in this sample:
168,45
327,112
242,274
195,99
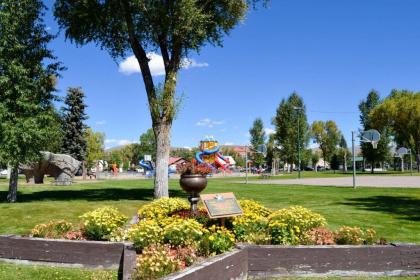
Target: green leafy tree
28,120
185,153
175,28
148,144
258,138
306,158
74,128
343,152
369,153
400,113
291,118
273,151
314,160
114,157
335,162
328,136
95,147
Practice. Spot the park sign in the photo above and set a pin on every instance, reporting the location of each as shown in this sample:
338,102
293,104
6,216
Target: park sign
221,205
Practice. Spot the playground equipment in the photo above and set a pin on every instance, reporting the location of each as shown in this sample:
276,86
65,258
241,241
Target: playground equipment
209,154
150,169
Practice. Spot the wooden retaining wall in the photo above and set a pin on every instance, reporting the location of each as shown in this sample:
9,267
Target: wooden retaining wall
245,261
258,262
266,261
93,254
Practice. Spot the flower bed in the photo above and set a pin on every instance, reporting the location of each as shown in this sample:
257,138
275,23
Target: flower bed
167,238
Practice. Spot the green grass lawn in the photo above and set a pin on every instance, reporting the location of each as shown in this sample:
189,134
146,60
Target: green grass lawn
10,271
394,213
328,174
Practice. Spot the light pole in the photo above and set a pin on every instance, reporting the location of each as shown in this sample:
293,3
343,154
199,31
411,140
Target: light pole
354,158
298,109
246,164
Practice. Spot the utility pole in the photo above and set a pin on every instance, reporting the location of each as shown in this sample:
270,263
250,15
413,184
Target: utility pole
298,109
246,164
354,158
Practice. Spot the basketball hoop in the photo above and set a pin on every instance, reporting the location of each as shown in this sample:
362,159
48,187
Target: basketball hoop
371,136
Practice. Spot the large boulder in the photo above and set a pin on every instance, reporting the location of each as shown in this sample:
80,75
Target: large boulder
60,166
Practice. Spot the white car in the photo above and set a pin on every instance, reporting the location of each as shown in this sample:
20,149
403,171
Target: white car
3,172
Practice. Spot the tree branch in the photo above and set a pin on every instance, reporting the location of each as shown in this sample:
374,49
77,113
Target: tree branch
164,50
143,61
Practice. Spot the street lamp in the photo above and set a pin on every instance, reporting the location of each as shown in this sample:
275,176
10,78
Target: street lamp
298,109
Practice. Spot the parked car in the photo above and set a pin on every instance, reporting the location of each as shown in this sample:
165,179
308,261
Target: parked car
308,168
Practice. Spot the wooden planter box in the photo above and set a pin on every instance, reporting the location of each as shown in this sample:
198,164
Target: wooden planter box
245,262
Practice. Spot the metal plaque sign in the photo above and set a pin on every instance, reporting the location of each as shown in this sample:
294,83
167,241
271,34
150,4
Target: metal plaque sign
221,205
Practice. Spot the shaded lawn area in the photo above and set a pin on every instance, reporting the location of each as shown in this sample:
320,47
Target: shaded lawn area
394,213
325,174
10,271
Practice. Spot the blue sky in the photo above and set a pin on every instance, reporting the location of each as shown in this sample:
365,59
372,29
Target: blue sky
331,52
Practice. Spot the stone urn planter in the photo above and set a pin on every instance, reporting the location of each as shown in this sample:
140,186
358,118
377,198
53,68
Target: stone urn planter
193,184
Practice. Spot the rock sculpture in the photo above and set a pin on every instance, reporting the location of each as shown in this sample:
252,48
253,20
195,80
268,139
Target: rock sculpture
60,166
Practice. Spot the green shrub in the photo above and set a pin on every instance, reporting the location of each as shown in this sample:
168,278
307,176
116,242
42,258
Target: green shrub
283,234
145,233
289,225
52,229
161,208
251,228
182,232
100,223
355,236
216,240
298,218
252,207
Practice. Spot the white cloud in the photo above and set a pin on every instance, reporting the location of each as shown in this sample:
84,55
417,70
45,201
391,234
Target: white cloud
269,131
100,122
229,144
188,63
109,143
130,65
207,122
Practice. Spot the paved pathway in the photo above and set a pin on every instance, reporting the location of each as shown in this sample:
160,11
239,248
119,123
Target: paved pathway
365,181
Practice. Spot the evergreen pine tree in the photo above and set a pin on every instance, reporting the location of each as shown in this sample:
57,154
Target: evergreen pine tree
369,153
291,113
74,140
258,138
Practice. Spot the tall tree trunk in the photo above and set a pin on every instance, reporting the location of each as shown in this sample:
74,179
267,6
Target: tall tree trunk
372,167
163,145
13,184
84,170
9,171
418,162
345,162
325,164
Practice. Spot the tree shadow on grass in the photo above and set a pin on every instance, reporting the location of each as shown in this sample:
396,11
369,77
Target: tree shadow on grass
407,207
110,194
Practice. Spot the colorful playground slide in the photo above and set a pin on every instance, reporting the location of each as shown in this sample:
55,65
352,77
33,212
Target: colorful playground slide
146,165
150,171
209,154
